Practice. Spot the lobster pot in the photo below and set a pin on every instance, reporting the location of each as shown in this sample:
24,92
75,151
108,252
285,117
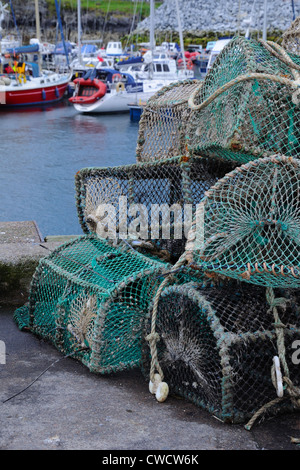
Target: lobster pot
248,105
291,37
251,224
154,201
90,300
163,122
217,345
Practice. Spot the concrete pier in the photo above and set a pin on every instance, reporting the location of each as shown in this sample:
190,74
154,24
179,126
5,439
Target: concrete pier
21,247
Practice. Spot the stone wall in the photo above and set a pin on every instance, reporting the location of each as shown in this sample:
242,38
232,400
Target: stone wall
222,15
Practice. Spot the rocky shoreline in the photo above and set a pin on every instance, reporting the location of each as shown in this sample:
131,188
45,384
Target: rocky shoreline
213,19
222,15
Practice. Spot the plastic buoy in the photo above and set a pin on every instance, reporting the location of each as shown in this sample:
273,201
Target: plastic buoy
153,385
162,392
278,377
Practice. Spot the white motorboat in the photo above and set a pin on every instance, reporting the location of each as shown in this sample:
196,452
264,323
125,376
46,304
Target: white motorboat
109,91
161,67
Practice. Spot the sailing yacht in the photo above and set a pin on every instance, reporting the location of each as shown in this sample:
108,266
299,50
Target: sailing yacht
24,83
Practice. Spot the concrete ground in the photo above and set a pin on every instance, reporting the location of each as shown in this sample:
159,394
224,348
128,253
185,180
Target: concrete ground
69,408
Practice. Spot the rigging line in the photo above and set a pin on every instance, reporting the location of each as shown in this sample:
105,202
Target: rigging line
61,32
56,35
293,9
251,24
105,20
15,21
132,23
139,20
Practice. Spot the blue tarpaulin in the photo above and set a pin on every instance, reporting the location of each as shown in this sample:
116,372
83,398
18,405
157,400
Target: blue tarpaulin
24,49
88,49
35,68
60,49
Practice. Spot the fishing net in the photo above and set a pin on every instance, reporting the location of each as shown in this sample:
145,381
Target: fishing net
291,37
246,228
216,348
249,224
248,104
153,201
89,298
163,123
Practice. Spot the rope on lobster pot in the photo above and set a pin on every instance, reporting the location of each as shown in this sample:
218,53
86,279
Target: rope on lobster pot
157,386
278,380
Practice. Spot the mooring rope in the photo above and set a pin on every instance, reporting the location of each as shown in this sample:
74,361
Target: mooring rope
293,392
153,338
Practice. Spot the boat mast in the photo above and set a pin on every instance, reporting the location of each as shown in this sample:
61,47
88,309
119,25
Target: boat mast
151,36
180,35
265,21
79,29
38,31
2,15
250,21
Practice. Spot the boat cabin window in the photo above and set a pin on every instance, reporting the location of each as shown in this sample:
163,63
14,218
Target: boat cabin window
160,56
158,67
166,68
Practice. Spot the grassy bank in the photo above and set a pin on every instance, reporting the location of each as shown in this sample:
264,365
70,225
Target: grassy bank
125,7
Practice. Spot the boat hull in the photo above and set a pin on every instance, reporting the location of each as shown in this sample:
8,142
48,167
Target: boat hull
113,103
118,101
96,89
18,96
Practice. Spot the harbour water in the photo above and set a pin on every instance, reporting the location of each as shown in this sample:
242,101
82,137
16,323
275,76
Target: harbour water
41,151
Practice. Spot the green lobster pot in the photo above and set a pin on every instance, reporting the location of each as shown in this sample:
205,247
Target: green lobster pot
250,226
90,299
159,197
217,345
162,126
248,105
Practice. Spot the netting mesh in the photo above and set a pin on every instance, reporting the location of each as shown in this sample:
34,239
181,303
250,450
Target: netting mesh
291,37
249,225
163,195
163,123
248,105
216,347
108,301
90,298
90,294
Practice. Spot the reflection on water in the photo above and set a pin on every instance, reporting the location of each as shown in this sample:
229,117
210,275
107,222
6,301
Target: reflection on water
33,109
41,151
86,124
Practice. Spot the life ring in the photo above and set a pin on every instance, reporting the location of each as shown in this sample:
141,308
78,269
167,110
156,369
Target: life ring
120,87
117,77
189,64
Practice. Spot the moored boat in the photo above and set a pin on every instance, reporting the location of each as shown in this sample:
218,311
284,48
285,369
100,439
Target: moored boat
109,91
23,82
88,91
40,90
